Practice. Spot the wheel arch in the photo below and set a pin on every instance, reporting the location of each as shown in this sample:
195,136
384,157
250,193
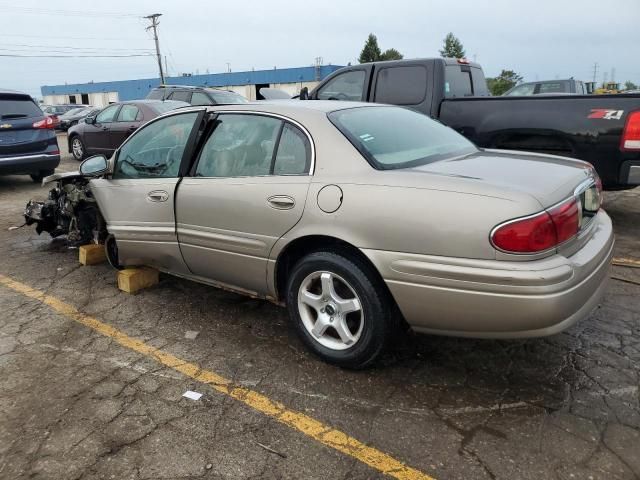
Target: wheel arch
301,246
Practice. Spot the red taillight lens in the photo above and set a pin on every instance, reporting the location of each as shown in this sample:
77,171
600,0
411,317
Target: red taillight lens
566,219
49,122
529,235
539,232
631,134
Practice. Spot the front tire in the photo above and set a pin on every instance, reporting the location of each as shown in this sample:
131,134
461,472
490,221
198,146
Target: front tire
77,148
339,308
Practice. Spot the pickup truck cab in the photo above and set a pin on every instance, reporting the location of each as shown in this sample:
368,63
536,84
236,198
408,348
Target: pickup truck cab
603,130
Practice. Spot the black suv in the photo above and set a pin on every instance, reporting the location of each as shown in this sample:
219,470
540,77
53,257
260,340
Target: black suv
28,143
195,95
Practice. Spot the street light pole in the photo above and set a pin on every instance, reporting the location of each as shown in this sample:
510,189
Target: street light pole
154,25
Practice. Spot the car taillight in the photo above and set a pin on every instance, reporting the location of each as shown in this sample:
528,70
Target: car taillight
539,232
48,122
631,134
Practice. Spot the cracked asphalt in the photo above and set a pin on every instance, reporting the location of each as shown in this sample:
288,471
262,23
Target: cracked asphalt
75,404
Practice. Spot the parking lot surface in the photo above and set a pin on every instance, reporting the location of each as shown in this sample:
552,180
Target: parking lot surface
91,382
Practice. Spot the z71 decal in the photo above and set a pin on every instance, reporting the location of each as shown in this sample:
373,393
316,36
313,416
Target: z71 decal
605,114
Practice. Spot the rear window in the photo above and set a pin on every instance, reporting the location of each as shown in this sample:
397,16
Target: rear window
394,137
18,106
553,87
221,96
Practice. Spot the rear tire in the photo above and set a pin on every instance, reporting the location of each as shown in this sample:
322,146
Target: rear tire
339,308
37,177
77,148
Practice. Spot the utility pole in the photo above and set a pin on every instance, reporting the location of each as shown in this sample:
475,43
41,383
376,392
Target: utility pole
595,72
166,66
154,26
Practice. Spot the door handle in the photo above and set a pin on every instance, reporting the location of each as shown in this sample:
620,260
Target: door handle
105,128
281,202
132,128
158,196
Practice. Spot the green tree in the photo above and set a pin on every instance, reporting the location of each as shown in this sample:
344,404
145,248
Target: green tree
452,47
391,54
629,85
371,51
503,82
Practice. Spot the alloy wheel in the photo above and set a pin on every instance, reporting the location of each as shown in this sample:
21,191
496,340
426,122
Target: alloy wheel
76,147
330,310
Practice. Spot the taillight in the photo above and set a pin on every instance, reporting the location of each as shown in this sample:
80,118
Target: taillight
566,219
631,134
539,232
528,235
48,122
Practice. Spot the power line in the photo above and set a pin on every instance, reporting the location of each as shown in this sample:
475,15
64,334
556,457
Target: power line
67,13
120,39
75,56
71,47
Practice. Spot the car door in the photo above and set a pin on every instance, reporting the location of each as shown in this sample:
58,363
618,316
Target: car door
128,120
137,202
247,190
96,135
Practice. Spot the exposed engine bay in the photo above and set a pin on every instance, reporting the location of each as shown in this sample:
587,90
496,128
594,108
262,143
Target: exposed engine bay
70,210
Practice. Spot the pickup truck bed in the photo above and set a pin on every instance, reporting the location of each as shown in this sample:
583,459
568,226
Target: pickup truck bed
587,127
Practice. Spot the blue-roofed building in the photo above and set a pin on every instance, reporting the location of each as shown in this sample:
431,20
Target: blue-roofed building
247,84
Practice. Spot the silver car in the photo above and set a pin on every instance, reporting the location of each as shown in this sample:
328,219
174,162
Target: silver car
359,218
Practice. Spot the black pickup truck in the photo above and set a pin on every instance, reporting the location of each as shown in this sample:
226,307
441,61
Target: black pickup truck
601,129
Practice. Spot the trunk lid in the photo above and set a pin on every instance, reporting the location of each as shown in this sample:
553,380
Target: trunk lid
548,179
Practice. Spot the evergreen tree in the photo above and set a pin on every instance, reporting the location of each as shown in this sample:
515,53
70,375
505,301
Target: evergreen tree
371,51
391,54
452,47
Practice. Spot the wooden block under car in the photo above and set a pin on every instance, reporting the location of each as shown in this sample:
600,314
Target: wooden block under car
131,280
91,254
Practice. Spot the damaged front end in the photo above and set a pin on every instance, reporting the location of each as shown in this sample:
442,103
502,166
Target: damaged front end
70,210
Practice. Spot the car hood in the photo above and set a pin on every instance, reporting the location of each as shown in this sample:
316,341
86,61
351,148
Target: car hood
549,179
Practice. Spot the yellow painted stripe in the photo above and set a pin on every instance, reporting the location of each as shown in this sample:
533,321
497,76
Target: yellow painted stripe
315,429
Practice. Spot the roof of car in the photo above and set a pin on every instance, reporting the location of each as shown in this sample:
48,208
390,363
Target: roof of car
199,87
295,104
14,92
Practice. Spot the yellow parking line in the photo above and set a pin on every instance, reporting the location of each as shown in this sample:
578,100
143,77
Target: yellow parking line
315,429
626,262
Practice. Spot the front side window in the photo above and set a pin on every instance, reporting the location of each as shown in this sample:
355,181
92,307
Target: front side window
128,113
241,145
107,115
156,150
394,137
346,86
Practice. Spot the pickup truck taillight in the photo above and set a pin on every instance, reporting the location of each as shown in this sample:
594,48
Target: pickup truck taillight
631,134
49,122
539,232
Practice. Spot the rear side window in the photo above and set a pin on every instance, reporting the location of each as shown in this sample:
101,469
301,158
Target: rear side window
222,97
457,81
395,137
156,94
181,96
479,83
18,106
294,152
401,85
346,86
199,98
128,113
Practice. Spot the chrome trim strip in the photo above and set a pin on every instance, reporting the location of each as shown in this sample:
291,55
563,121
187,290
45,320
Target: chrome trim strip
27,157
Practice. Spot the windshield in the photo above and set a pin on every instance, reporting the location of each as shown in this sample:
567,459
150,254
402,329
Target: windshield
75,111
221,96
394,137
166,105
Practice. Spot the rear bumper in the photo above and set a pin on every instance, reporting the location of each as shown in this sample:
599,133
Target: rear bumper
499,299
630,173
28,163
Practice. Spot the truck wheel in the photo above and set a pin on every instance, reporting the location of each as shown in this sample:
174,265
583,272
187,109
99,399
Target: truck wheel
37,177
339,309
77,148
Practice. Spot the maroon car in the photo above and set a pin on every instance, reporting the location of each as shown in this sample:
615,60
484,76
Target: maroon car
110,127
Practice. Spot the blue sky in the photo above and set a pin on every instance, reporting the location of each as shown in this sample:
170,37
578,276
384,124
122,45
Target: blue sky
540,40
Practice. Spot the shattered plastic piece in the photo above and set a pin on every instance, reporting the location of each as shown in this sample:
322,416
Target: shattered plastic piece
192,395
191,334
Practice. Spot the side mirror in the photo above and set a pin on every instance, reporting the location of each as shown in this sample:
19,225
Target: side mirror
90,120
94,166
304,93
